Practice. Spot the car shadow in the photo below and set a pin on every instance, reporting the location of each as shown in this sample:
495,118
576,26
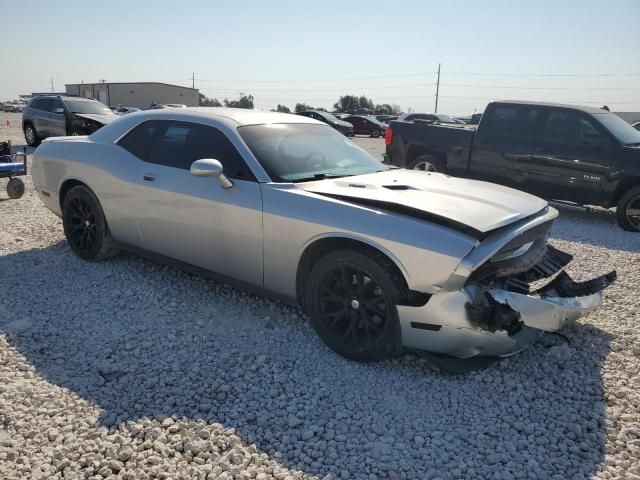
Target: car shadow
142,340
594,226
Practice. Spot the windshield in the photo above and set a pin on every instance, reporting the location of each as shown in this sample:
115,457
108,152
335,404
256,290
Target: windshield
87,106
301,152
374,120
328,116
446,119
620,129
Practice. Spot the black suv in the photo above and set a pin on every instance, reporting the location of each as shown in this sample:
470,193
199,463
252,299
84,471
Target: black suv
55,116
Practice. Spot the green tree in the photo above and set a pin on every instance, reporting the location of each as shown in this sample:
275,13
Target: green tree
282,109
301,107
351,103
245,101
387,109
209,102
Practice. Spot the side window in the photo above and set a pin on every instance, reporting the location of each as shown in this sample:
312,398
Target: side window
55,103
35,104
509,123
139,141
588,134
180,144
560,127
44,104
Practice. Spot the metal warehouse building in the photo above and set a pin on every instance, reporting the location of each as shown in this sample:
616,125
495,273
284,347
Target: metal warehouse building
135,94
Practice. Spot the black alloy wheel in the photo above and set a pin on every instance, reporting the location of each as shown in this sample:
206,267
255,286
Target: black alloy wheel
85,226
80,224
352,303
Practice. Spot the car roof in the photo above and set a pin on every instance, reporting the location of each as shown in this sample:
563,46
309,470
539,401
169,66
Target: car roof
591,110
242,116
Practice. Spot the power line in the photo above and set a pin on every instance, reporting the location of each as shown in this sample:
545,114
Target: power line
318,80
546,74
538,88
288,90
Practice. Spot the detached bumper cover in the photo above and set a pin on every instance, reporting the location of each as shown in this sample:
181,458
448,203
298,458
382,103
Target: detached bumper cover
559,301
502,316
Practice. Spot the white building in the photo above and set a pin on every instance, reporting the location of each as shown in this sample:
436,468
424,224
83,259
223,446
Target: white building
135,94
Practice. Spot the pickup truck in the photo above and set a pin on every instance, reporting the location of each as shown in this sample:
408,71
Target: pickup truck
582,155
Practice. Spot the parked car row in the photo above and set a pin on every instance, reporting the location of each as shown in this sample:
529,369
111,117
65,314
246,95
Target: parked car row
351,124
15,107
389,259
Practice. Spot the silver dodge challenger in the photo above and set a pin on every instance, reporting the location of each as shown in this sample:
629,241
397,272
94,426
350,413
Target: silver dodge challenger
382,259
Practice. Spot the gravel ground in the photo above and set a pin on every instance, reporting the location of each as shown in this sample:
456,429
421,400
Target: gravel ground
130,370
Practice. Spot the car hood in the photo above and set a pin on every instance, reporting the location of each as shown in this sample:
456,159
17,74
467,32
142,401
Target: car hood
470,206
103,119
344,124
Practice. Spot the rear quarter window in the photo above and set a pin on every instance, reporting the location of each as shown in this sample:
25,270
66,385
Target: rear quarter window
139,141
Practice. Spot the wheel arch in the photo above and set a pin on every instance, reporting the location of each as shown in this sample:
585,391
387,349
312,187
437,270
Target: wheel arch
623,187
416,151
315,248
66,186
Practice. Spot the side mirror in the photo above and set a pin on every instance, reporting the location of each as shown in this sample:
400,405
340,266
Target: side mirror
209,167
58,110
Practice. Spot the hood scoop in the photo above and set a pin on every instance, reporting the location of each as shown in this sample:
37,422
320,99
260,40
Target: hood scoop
399,187
470,206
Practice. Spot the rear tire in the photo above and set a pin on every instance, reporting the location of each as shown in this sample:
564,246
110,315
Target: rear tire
85,226
15,188
628,210
351,299
31,136
428,163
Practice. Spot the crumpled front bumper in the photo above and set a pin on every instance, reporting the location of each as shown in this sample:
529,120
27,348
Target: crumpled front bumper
502,316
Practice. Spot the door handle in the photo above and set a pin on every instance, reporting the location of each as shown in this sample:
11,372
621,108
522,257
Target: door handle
149,177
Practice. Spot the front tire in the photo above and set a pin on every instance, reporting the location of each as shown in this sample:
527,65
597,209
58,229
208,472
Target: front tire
351,299
427,163
31,136
628,210
85,226
375,133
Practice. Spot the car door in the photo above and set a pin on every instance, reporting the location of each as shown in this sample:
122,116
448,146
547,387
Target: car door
357,124
41,116
57,118
571,157
503,145
193,219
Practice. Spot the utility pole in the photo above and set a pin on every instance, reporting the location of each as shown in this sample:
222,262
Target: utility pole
437,89
52,85
193,80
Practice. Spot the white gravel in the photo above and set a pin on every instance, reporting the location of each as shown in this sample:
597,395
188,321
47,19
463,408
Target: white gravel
130,370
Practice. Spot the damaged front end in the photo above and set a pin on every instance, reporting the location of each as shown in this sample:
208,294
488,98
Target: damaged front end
501,308
509,304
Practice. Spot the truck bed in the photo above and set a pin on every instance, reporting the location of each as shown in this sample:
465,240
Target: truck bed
452,143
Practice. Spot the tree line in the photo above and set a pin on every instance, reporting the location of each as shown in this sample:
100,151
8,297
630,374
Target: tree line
345,104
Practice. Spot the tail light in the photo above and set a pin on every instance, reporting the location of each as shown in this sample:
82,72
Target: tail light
388,135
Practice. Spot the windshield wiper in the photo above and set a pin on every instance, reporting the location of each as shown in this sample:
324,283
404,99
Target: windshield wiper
320,176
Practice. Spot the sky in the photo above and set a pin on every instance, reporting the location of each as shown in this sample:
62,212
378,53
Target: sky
283,52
